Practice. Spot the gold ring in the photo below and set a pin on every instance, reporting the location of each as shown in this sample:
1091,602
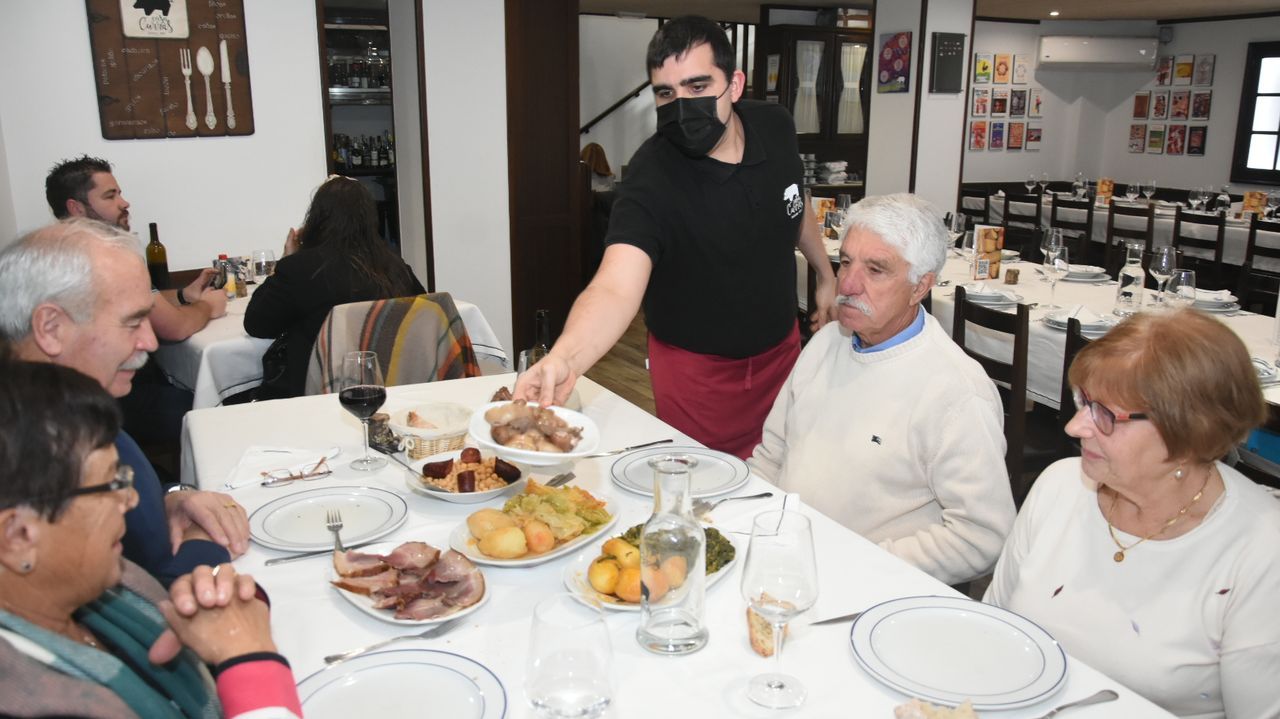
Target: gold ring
229,505
215,570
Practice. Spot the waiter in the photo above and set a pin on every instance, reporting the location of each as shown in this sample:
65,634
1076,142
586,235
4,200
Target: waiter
703,232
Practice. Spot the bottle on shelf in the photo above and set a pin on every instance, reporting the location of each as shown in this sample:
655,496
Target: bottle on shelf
157,260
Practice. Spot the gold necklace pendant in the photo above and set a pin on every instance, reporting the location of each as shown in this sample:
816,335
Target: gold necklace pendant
1118,556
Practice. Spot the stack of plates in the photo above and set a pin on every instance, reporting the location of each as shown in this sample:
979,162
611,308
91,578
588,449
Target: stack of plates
1010,256
1085,273
1091,326
984,294
1216,302
1266,372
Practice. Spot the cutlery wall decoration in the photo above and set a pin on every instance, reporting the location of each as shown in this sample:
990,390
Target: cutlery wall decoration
146,54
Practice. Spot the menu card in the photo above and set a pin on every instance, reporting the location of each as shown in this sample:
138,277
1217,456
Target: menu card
1106,188
1254,201
988,242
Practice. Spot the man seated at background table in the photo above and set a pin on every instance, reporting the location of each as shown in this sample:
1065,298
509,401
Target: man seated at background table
75,293
884,423
153,410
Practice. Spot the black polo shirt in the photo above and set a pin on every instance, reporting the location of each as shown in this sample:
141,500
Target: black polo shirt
721,237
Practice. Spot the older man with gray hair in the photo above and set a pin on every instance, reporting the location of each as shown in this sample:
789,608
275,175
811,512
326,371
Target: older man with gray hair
76,293
885,424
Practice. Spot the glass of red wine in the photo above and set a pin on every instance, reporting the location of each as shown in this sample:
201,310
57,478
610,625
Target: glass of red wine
361,394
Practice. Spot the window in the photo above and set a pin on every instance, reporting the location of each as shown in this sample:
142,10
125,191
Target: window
1257,153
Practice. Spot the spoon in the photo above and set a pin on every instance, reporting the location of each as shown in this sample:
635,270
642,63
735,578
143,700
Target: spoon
204,63
1104,695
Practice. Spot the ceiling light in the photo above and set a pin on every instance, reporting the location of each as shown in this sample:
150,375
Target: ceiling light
1053,13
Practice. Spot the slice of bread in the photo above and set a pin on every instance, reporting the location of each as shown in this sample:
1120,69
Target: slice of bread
761,631
918,709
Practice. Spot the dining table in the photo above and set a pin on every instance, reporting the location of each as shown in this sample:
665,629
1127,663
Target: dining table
222,359
311,618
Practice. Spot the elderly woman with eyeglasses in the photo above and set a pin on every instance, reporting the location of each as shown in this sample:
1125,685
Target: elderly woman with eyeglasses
84,632
1147,557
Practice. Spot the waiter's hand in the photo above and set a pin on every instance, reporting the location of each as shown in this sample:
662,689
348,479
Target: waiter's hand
824,296
548,382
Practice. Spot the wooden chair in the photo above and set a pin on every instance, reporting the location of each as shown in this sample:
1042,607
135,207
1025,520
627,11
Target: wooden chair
983,215
1247,289
1023,219
1076,341
1113,254
1208,261
1012,374
1078,234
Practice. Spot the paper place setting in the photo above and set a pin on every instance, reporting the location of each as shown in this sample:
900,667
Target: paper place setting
262,463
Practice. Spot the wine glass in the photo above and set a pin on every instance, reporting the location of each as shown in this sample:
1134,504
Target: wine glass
1077,186
1030,182
1181,289
1130,191
1044,182
1149,189
1273,202
1055,266
1163,260
570,662
264,263
1050,237
361,394
1195,197
779,582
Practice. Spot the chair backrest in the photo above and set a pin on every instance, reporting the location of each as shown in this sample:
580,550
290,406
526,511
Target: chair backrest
1026,218
1012,373
1250,272
418,339
978,196
1076,341
1080,232
1114,254
1206,254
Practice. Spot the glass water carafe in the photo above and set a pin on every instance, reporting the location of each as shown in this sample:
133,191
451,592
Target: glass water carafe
1131,277
673,577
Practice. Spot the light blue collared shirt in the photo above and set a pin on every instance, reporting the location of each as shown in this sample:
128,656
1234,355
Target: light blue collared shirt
913,329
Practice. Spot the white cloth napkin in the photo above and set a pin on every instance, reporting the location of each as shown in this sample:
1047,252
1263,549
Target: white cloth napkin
1214,295
1086,316
258,459
982,288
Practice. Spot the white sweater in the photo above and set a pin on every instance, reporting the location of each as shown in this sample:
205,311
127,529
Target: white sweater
904,446
1191,623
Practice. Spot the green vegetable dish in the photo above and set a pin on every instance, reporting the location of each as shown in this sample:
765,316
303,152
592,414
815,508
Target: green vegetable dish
720,551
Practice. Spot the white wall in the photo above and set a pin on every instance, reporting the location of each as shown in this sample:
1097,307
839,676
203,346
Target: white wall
8,221
940,143
404,72
611,54
208,195
889,150
467,135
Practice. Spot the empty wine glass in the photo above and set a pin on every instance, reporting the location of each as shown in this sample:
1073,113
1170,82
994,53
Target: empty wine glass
1077,186
1050,237
1195,197
1130,191
779,582
1273,202
361,393
1055,266
1044,182
1030,182
570,661
264,263
1181,289
1149,189
1163,260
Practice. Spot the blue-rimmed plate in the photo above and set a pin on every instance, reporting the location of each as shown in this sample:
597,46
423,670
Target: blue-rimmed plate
296,522
375,685
716,472
949,649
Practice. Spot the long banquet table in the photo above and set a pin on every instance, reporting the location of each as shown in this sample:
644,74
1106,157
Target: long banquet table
310,620
222,359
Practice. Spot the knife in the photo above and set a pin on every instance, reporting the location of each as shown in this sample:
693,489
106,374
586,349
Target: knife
836,620
309,555
399,461
226,84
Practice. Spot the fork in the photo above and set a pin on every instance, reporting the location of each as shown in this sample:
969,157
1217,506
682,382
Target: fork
702,507
559,479
184,56
1102,695
333,522
433,631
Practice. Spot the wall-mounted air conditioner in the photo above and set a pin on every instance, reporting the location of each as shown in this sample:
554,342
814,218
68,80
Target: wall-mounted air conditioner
1098,53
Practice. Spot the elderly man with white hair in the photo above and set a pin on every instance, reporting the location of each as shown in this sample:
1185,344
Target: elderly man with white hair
885,424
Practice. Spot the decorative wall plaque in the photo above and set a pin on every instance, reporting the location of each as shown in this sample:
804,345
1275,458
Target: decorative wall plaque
170,68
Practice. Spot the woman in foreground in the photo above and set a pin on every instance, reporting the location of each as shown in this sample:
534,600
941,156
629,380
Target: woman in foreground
83,632
1148,558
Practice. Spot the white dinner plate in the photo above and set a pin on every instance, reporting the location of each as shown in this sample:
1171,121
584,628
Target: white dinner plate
575,578
996,300
716,473
378,684
1085,278
296,522
364,603
418,486
1010,255
1219,309
461,540
1266,372
1085,271
1059,320
482,434
949,649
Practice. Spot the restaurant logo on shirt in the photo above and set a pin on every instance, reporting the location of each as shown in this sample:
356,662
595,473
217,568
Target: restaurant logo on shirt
795,205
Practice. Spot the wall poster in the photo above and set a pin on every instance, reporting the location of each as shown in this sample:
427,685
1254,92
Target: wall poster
1137,138
895,62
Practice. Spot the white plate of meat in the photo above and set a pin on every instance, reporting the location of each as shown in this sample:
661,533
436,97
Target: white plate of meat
410,583
526,433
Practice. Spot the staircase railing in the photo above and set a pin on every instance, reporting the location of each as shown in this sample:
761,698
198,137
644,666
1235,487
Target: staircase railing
621,101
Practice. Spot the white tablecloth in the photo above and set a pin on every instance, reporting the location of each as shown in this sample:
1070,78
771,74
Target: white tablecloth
310,620
221,360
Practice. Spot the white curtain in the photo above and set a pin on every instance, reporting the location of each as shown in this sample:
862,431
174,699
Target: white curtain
849,117
808,60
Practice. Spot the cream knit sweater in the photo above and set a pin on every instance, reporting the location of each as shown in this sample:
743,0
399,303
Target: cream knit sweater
904,446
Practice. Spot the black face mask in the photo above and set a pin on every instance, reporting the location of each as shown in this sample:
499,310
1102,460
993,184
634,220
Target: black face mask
692,124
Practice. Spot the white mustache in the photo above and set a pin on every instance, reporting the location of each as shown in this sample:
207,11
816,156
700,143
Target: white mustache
855,303
135,362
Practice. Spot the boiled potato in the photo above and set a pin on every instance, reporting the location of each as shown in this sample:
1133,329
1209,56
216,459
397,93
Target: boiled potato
655,582
603,575
504,543
486,520
622,550
628,587
675,569
538,536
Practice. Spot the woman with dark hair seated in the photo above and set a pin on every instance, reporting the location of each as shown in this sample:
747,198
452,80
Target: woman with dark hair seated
83,632
1148,558
336,258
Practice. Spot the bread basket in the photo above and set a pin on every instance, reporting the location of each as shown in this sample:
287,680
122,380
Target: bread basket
449,431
